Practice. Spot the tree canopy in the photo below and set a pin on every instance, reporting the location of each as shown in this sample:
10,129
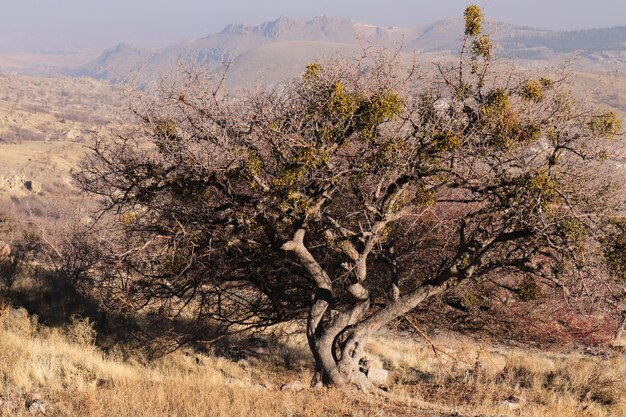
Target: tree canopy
353,194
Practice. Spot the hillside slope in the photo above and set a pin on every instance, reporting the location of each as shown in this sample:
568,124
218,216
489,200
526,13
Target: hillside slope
62,372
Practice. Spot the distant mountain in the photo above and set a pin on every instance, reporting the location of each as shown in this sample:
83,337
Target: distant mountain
117,64
319,28
274,50
125,63
586,41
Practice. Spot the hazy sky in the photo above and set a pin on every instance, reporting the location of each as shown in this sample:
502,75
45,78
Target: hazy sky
70,25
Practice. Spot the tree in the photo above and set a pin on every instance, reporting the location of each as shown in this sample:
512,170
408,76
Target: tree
352,195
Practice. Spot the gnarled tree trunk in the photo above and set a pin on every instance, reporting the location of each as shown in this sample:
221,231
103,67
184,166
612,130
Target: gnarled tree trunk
338,339
338,343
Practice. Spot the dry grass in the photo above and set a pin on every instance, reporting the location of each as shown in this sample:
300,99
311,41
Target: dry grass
77,379
476,379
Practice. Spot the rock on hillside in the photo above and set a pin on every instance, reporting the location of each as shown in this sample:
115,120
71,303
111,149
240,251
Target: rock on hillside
16,185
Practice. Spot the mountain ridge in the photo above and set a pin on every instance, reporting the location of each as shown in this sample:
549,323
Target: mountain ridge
126,62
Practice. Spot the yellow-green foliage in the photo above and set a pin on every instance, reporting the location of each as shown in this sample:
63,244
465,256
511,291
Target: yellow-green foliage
303,160
504,123
330,134
297,201
605,124
538,182
501,119
382,107
446,141
482,46
339,111
574,233
388,151
342,103
312,71
473,20
365,112
289,177
254,165
553,136
531,91
310,158
497,103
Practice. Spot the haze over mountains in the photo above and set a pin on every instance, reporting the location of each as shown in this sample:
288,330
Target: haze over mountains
271,48
280,48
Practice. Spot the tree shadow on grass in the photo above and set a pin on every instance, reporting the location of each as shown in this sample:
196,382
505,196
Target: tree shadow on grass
57,302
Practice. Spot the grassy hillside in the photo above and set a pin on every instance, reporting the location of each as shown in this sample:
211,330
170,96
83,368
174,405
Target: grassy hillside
51,357
63,369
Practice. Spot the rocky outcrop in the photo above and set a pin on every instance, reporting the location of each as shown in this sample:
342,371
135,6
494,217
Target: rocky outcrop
294,386
373,368
16,184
